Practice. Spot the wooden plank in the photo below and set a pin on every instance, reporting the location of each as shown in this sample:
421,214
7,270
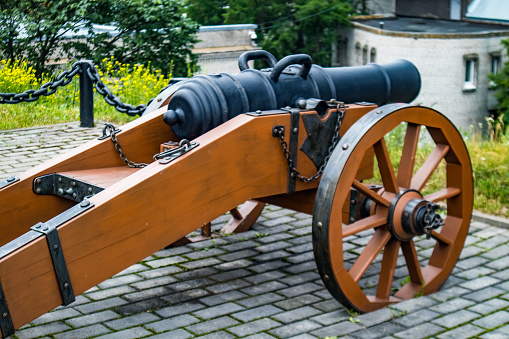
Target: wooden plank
102,177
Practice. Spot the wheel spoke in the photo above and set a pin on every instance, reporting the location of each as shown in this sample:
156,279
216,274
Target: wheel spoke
407,162
364,224
446,193
370,194
371,251
424,173
412,262
389,262
385,166
440,238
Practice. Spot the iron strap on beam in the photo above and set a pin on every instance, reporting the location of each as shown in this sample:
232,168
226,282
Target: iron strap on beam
293,148
6,324
57,255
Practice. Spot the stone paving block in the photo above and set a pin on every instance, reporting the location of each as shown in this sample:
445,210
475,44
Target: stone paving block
489,306
121,280
452,305
493,320
263,288
228,286
292,303
247,253
330,318
38,331
296,314
198,273
136,332
269,266
340,329
293,329
499,333
480,283
217,335
182,308
462,332
470,251
267,298
497,252
375,317
301,267
200,263
242,245
165,262
301,278
100,305
133,320
498,264
234,264
230,275
263,277
217,311
92,318
450,293
303,336
84,332
270,256
212,325
56,315
253,327
260,336
205,253
172,323
177,334
279,221
190,284
484,294
273,246
416,318
471,262
223,297
303,239
493,242
110,292
476,272
256,313
415,304
160,272
155,292
456,318
300,289
419,332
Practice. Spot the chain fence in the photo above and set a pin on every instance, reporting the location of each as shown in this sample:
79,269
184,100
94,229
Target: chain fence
89,77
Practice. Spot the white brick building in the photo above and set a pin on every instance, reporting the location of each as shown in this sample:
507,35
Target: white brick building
454,59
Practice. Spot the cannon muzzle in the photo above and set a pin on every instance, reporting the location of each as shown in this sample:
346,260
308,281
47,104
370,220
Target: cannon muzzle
206,101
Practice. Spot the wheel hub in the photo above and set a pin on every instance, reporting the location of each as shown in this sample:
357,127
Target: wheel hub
410,215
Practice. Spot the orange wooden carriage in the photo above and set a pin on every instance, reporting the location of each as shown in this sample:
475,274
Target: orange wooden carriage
105,216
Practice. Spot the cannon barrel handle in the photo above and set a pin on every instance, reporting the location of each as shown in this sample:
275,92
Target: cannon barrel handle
256,55
302,59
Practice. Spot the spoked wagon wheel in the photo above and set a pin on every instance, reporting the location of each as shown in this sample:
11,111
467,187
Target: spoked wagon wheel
360,262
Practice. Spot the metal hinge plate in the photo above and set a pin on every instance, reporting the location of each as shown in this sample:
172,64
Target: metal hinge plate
65,187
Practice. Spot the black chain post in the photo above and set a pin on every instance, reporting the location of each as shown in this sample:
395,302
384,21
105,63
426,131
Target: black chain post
86,95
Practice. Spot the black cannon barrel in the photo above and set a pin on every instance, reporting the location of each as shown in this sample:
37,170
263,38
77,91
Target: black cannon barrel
204,102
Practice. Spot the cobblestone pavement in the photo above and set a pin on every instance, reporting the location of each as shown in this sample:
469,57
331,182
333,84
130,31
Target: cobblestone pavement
262,283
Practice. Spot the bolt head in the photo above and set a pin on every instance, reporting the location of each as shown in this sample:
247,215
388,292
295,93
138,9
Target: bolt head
38,190
379,111
159,99
90,189
84,203
66,285
295,130
345,147
11,179
353,202
38,181
73,184
319,224
45,229
4,315
55,247
59,179
326,277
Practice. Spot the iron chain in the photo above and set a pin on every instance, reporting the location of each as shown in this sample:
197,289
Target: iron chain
63,79
112,99
113,136
335,139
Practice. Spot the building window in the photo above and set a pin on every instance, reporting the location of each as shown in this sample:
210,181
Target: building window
365,55
471,62
358,53
495,65
372,57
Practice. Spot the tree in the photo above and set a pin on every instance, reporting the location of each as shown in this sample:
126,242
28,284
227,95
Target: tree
207,12
298,26
35,29
148,31
501,81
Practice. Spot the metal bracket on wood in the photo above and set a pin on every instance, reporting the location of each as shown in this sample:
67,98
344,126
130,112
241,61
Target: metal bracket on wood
354,205
8,181
6,324
65,187
49,229
172,154
293,147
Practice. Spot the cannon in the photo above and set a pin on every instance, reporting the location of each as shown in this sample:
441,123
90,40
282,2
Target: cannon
296,135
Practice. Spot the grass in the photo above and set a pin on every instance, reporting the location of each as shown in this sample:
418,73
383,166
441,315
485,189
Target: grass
136,84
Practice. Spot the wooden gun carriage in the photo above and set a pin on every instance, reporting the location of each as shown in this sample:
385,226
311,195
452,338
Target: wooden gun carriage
78,219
